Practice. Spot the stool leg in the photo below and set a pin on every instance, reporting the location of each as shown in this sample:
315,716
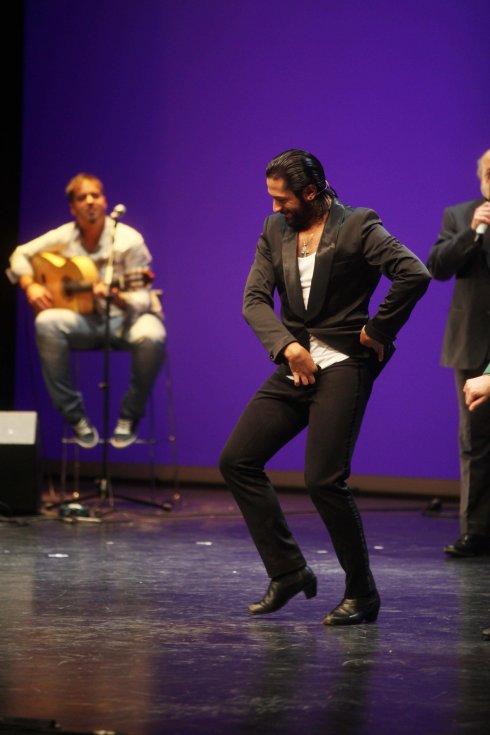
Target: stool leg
152,444
171,426
76,470
64,461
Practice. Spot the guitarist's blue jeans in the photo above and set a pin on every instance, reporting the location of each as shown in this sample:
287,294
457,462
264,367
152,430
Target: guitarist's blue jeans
59,331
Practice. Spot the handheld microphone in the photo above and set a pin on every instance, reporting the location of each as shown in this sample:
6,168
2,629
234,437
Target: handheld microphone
118,212
481,229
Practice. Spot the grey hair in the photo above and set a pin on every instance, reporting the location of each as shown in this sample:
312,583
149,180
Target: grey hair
479,163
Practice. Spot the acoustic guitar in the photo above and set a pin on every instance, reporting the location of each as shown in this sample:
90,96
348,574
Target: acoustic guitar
70,281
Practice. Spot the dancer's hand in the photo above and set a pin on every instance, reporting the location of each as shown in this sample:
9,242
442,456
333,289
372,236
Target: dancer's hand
301,363
373,344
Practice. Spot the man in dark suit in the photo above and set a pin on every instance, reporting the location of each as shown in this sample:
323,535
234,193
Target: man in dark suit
325,260
463,250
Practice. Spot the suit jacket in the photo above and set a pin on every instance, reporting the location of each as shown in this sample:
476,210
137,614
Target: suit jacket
354,251
466,344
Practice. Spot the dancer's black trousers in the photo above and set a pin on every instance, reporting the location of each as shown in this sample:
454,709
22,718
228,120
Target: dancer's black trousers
332,410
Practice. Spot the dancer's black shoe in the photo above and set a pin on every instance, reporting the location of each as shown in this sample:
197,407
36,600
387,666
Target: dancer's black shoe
352,611
282,589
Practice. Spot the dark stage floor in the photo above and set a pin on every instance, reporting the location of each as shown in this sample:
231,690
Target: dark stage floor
138,624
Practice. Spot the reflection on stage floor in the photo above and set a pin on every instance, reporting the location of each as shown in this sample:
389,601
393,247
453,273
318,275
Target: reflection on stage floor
136,623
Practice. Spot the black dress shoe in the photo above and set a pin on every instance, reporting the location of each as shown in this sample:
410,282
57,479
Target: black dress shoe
352,611
469,545
486,634
282,589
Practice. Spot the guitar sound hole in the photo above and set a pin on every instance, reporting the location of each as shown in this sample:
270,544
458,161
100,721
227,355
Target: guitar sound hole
69,287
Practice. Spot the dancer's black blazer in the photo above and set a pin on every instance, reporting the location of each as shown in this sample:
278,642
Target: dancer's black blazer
354,251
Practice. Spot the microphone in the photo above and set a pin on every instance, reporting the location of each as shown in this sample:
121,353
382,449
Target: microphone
118,212
481,228
480,231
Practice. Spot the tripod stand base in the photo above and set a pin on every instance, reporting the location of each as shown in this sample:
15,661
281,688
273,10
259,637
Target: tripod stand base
166,505
76,508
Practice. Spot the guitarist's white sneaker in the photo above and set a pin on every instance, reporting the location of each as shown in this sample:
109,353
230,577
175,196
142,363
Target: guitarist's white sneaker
124,433
85,434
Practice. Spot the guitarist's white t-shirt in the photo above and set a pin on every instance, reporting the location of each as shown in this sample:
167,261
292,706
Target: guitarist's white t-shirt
130,255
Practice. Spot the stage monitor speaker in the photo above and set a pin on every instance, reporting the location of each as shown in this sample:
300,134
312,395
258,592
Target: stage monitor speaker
20,476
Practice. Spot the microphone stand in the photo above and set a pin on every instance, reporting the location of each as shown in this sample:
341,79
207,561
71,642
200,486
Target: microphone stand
105,481
105,485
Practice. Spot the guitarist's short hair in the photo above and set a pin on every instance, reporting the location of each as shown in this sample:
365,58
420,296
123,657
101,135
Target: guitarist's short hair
75,182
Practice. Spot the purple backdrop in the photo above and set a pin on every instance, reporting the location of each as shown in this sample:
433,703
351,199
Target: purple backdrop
179,106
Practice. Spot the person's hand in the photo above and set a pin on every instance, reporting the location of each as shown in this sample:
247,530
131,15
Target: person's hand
117,298
38,297
301,363
476,391
481,215
100,290
373,344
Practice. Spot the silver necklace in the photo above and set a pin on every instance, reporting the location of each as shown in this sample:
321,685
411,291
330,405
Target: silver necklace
304,246
306,240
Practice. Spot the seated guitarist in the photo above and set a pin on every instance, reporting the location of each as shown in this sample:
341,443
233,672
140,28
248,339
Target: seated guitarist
135,322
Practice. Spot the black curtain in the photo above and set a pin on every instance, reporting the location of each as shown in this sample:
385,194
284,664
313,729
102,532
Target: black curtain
11,56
